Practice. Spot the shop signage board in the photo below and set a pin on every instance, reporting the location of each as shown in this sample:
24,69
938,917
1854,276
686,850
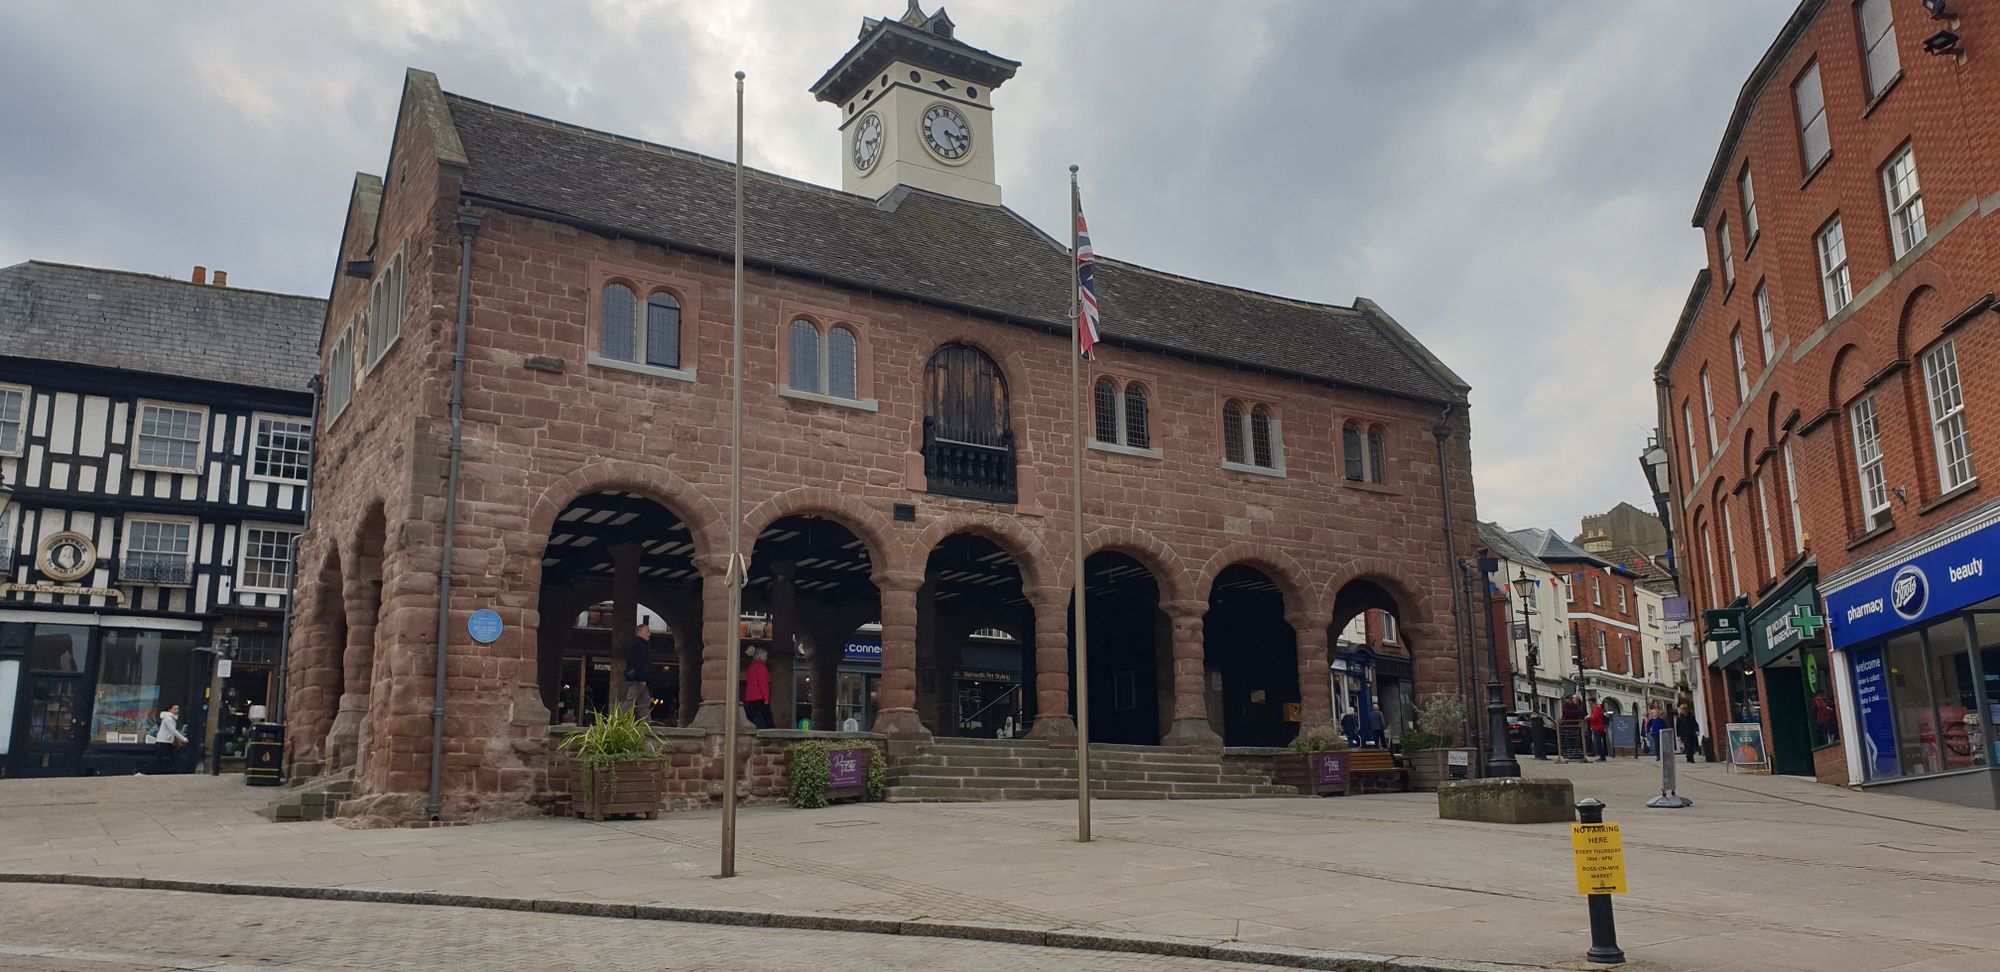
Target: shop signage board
1746,744
1600,858
862,651
1786,621
847,774
1332,769
1624,732
1569,739
1941,581
1724,626
1871,701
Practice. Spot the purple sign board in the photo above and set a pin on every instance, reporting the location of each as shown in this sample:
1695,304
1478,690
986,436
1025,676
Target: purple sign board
1331,769
847,772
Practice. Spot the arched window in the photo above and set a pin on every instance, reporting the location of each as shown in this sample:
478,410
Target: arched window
843,377
1232,433
805,357
1377,467
661,346
1138,434
619,311
1350,451
385,310
1105,397
1260,438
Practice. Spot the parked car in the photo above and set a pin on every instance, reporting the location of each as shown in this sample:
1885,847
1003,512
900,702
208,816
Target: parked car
1519,724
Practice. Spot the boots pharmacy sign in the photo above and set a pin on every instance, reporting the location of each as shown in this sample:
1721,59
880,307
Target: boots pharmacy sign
1947,578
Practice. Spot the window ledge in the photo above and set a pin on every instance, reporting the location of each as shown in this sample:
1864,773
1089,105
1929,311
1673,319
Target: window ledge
1366,487
1818,167
1120,449
1751,246
1876,101
1240,467
176,470
1955,492
275,481
1888,524
656,371
858,404
1728,285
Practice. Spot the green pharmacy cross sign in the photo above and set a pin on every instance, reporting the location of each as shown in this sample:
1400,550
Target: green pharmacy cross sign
1806,621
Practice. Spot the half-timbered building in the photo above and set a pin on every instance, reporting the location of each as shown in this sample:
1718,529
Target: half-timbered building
156,445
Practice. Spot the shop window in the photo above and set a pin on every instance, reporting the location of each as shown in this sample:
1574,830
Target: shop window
1823,711
59,648
144,672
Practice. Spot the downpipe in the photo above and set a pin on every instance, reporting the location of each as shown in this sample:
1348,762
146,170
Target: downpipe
468,228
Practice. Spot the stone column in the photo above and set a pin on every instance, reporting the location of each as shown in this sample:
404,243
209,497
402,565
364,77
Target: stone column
624,611
1190,719
927,655
1053,722
715,621
1315,677
556,619
361,600
898,718
682,611
784,655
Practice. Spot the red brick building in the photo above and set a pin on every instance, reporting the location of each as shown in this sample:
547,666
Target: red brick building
1260,470
1827,401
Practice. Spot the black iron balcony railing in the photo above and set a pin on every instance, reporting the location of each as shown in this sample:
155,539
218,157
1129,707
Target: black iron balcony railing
970,471
154,569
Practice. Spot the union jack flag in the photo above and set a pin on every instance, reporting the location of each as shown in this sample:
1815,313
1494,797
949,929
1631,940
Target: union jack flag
1086,287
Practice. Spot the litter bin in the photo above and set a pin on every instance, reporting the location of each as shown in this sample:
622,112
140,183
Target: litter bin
264,755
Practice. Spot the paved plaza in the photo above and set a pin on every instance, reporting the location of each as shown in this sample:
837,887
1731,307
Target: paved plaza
1762,873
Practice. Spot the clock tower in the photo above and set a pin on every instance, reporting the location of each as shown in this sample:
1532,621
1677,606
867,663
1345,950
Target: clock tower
916,108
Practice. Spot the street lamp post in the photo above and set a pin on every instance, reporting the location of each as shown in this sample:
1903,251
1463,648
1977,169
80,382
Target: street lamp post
1524,588
1500,759
1653,462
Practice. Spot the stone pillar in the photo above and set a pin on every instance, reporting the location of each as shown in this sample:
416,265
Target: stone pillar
1315,677
716,693
1190,710
556,621
682,611
927,655
898,718
829,628
624,609
784,655
361,600
1050,643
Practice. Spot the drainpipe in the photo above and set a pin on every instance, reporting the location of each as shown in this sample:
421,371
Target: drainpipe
468,227
1442,433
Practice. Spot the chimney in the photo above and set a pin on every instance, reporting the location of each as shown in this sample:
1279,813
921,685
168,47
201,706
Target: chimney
200,275
222,278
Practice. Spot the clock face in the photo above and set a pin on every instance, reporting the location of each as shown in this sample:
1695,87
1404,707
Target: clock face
946,132
868,142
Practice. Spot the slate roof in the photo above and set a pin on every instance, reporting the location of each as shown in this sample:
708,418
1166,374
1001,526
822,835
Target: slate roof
924,247
159,325
1551,547
1509,546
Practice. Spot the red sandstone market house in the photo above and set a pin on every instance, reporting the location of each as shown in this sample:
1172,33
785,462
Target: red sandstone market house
1262,470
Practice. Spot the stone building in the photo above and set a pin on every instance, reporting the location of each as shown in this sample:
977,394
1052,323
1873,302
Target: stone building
1824,399
1260,470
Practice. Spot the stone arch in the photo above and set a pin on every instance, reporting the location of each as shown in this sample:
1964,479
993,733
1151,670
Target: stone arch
867,525
1773,419
318,657
1025,547
348,737
1410,608
655,483
1275,563
1166,567
1844,380
1921,320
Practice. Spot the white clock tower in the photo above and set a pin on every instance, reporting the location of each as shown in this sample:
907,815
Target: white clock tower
916,109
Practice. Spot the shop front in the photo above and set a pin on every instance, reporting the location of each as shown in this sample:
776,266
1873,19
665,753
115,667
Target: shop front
1917,634
81,694
1791,690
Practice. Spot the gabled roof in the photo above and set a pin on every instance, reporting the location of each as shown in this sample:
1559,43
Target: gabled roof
932,249
1635,562
1506,544
159,325
1552,548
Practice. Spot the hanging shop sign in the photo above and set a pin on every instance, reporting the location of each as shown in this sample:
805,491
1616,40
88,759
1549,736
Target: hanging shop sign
1940,581
1785,621
1724,626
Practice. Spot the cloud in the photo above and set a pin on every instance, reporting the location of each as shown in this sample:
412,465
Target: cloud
1511,180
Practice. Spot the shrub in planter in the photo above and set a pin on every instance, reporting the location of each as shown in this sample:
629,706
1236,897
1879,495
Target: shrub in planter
619,769
810,771
1317,763
1428,749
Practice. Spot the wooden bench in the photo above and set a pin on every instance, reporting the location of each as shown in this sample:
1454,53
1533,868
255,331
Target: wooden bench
1372,768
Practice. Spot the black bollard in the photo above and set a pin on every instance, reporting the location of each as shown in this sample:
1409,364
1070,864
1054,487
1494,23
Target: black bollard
1603,928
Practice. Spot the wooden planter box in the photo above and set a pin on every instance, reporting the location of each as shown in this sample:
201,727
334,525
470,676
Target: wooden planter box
634,787
1313,774
1429,767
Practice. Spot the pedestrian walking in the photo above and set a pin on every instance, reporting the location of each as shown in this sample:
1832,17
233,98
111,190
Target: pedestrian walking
1656,723
1378,726
639,665
757,689
1686,728
167,737
1599,742
1350,726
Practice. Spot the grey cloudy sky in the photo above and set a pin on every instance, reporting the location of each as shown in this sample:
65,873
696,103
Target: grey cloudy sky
1511,180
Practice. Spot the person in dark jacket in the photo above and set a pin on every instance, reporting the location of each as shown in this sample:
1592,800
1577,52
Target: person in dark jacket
639,665
1686,728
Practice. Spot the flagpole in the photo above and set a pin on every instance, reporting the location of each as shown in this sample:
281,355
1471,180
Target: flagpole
731,714
1076,529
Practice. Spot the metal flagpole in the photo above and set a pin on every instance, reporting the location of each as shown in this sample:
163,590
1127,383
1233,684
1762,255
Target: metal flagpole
1076,529
734,578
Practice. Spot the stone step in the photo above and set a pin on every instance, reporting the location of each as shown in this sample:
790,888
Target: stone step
976,775
928,793
1059,758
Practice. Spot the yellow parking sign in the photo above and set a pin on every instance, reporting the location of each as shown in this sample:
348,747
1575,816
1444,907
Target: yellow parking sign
1600,858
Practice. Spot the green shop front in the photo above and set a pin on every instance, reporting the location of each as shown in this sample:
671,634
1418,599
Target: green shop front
1791,680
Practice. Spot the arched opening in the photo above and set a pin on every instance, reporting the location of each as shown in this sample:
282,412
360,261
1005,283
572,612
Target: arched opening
1250,657
968,435
361,604
808,608
1131,651
1374,687
976,628
608,553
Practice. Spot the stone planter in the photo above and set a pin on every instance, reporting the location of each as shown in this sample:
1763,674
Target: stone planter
633,787
1430,767
1313,774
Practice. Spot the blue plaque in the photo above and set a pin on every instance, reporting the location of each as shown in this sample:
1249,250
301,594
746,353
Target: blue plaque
485,626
